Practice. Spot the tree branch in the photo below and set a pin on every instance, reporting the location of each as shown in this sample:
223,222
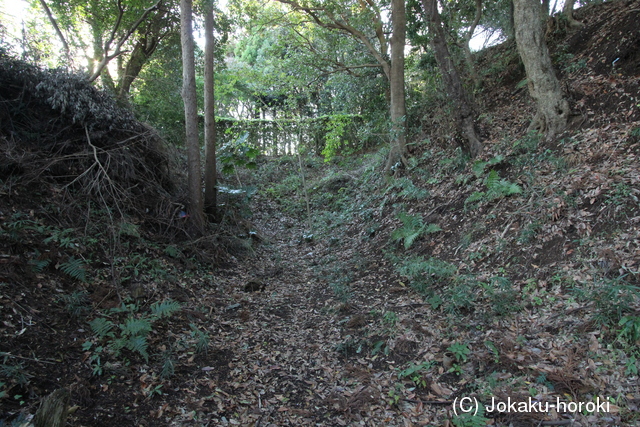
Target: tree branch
336,24
117,52
57,28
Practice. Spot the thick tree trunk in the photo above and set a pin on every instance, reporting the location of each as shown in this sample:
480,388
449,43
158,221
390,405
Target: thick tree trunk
567,11
210,173
464,110
139,57
397,106
553,109
191,114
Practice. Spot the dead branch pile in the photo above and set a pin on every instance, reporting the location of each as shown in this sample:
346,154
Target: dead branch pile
61,135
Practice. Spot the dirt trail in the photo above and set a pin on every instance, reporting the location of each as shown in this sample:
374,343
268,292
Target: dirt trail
280,356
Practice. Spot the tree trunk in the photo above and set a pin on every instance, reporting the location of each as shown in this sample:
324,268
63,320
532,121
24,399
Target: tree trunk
464,110
210,173
567,11
191,114
544,87
139,57
397,106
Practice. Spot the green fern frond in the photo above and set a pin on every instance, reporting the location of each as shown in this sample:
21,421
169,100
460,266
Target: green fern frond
432,228
164,308
74,268
38,264
133,326
476,196
408,240
138,344
117,345
492,179
101,327
513,189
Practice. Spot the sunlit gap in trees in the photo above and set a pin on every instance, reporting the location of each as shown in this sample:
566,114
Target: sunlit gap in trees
27,26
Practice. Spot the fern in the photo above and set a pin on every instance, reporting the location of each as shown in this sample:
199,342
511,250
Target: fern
138,344
413,227
409,189
476,196
479,166
133,326
492,180
74,268
102,327
496,189
164,308
38,264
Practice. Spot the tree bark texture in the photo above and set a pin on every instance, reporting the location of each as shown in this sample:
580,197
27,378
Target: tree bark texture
463,104
191,114
397,107
567,11
210,173
544,87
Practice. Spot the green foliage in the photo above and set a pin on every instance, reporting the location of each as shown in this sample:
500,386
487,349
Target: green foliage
173,251
494,350
334,138
350,345
407,189
202,339
460,295
412,228
390,318
456,163
102,327
479,166
529,231
471,419
64,238
38,265
74,268
502,295
14,373
138,266
164,308
129,229
613,299
415,372
425,273
629,329
340,284
527,144
76,303
131,334
496,189
168,367
134,327
622,195
237,153
459,351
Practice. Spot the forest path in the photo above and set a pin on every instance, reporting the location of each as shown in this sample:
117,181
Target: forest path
288,351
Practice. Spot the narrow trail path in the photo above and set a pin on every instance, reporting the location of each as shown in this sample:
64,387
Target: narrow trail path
286,350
